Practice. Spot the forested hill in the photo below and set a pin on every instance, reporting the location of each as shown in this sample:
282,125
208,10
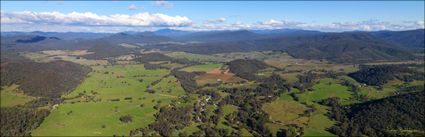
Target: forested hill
379,75
349,47
409,38
136,38
342,47
51,79
246,68
220,36
345,47
391,116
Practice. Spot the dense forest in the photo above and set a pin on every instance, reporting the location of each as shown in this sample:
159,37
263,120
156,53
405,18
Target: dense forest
50,79
385,117
16,121
381,74
344,47
103,49
186,79
246,68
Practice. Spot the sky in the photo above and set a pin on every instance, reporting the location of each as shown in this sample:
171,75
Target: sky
118,16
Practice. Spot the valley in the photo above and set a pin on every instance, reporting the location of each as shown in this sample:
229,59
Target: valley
123,86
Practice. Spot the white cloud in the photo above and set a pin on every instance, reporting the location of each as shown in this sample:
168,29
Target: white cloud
279,24
164,3
420,23
369,25
132,7
88,21
91,19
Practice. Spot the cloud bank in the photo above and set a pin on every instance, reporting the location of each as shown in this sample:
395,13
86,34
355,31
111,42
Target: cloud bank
91,19
88,21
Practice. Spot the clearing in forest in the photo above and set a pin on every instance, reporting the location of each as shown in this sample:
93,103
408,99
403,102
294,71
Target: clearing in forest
94,108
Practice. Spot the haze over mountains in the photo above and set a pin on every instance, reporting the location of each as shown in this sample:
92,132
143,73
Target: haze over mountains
348,47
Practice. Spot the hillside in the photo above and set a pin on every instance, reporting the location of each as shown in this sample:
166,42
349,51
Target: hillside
246,68
220,36
104,49
407,39
61,35
50,79
21,43
379,75
385,117
345,47
136,38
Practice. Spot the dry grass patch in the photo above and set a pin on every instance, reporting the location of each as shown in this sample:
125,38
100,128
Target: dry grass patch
286,112
217,75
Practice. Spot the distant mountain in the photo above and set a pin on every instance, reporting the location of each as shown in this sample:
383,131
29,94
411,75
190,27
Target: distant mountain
61,35
26,39
408,39
21,43
141,37
102,49
345,47
286,32
220,36
171,32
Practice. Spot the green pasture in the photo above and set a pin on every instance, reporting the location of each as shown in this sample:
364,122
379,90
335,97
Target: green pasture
79,116
204,67
324,89
13,96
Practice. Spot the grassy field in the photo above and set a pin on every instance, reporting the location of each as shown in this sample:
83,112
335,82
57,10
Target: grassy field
12,96
195,57
319,122
290,77
324,89
52,55
389,89
204,67
118,82
227,109
289,63
66,52
172,65
224,57
93,109
286,112
169,86
96,119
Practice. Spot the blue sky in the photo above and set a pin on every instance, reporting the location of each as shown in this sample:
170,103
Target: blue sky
321,15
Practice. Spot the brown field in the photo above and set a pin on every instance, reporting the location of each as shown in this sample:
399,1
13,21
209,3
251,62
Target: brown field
217,75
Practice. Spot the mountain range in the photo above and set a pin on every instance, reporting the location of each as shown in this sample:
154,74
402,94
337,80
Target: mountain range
347,47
